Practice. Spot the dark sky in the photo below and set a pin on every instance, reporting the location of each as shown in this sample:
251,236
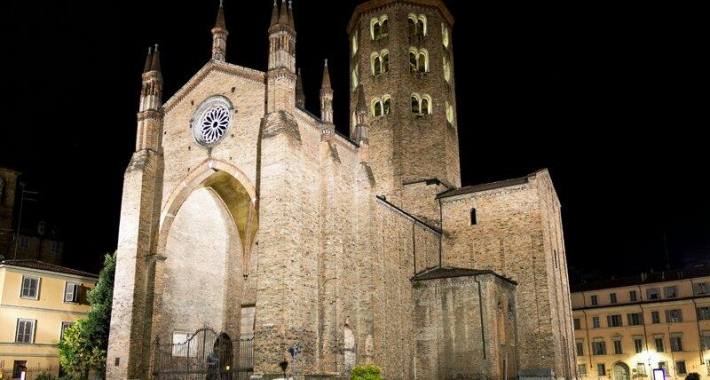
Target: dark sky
611,99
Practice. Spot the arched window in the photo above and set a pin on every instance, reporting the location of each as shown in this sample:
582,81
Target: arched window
449,113
355,77
447,70
381,106
473,217
418,60
445,35
417,25
380,62
354,42
379,27
421,104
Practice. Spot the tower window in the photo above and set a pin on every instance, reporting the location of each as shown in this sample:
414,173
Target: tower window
379,27
445,35
381,106
447,70
380,62
473,217
354,42
421,104
449,114
418,60
355,77
417,25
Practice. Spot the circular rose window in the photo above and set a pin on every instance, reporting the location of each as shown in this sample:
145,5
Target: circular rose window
213,120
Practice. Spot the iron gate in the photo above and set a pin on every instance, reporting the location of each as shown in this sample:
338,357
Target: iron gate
204,355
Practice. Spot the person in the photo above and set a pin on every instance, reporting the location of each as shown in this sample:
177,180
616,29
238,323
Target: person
212,366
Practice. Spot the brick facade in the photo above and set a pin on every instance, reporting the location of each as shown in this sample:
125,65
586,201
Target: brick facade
340,247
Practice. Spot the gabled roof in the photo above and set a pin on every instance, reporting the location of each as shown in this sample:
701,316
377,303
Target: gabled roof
36,264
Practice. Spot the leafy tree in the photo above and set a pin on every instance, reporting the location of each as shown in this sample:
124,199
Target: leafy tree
366,372
83,346
693,376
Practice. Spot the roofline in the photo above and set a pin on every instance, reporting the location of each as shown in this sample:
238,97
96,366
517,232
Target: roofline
374,4
79,274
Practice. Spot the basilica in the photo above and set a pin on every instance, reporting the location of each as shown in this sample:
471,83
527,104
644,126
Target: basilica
258,242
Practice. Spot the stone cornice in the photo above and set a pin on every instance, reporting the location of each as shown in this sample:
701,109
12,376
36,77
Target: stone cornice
375,4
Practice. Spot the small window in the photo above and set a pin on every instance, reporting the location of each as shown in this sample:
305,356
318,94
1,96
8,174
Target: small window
71,292
18,367
447,70
653,294
632,296
445,35
417,25
635,319
659,344
638,345
599,348
641,369
705,340
449,114
680,367
41,227
30,287
381,106
664,366
418,60
670,292
612,298
617,347
595,322
703,313
601,369
676,343
54,247
473,217
65,325
674,315
595,301
379,27
25,331
577,324
701,288
614,320
655,317
580,347
354,42
380,62
582,369
421,104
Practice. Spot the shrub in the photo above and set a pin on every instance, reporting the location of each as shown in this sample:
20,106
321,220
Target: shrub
693,376
366,372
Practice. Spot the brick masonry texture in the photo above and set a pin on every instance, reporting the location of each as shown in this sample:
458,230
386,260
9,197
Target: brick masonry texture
357,253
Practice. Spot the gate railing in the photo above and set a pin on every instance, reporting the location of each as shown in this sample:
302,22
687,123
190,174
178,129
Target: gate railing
205,354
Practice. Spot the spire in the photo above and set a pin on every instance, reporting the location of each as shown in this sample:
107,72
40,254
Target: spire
326,77
155,64
220,17
219,36
274,15
300,94
290,14
148,61
326,97
283,17
361,107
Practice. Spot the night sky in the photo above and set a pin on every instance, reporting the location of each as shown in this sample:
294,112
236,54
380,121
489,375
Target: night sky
611,99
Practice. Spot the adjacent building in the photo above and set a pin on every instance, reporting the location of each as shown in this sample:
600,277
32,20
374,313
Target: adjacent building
37,302
24,232
627,327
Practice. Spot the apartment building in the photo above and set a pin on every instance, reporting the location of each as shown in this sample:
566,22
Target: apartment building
37,302
627,327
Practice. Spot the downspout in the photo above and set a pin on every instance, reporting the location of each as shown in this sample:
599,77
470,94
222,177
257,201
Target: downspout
414,248
645,337
589,342
480,312
697,322
441,238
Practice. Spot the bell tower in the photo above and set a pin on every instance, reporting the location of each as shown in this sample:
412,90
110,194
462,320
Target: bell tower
402,56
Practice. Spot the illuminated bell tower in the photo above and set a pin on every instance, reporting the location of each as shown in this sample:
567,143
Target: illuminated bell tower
401,53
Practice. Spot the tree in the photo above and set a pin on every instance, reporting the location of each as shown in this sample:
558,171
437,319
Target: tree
83,346
693,376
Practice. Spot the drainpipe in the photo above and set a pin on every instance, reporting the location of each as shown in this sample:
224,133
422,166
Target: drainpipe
480,312
589,343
